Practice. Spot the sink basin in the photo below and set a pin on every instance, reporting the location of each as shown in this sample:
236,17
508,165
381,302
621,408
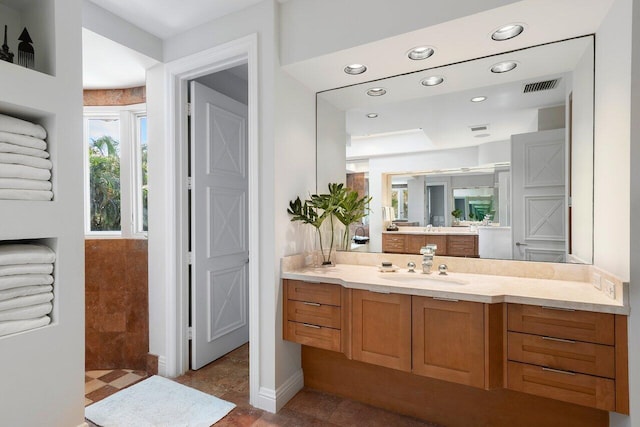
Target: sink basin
419,279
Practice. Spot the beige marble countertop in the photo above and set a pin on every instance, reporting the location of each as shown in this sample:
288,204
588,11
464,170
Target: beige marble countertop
466,287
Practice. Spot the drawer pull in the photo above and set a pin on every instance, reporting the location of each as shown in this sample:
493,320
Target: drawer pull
558,340
314,304
557,308
308,325
446,299
558,371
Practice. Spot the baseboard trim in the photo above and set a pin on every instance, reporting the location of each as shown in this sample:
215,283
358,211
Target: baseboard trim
162,366
271,400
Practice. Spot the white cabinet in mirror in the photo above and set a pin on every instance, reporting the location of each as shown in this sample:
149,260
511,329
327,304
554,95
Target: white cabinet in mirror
512,151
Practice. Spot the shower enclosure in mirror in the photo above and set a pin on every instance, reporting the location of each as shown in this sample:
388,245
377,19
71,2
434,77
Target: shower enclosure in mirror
483,164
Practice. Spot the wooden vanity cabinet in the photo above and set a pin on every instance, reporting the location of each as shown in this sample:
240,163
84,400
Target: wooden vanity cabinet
394,243
447,244
381,332
314,315
448,340
462,246
568,355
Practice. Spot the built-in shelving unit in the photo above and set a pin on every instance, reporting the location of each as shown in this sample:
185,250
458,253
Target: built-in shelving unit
52,357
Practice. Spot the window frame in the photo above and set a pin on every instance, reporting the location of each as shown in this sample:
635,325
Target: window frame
130,162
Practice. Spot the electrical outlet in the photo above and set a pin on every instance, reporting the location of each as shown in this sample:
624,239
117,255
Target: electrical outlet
609,289
596,281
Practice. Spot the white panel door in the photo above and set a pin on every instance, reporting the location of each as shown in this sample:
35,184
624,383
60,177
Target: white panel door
539,209
219,271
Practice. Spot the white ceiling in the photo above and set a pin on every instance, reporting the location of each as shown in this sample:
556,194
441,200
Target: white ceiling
166,18
110,65
457,40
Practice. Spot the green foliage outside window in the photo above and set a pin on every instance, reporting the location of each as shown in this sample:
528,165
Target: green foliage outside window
104,182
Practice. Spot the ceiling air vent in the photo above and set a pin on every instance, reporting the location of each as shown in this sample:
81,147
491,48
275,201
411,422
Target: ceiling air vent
478,128
538,86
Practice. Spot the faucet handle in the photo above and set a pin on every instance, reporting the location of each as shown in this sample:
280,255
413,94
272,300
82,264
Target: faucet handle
411,266
442,268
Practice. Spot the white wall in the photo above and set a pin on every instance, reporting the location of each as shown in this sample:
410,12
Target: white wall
634,319
416,190
582,159
331,145
286,169
612,121
42,371
227,84
108,25
612,171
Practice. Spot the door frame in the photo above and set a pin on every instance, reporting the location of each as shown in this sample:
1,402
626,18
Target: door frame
177,75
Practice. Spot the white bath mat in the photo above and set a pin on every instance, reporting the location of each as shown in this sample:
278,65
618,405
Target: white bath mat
158,402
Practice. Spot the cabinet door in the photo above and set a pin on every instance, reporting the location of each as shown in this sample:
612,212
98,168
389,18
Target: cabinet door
448,340
414,243
382,329
466,246
439,241
393,243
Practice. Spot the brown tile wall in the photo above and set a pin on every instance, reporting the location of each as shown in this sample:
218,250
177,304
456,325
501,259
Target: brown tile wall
100,97
116,304
357,181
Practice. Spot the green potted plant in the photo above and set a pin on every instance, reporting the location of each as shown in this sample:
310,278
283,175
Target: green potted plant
351,208
457,213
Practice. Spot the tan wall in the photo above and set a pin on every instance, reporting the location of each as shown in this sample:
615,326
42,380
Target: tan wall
108,97
116,304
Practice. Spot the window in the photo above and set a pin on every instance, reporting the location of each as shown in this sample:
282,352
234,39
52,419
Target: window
400,200
116,171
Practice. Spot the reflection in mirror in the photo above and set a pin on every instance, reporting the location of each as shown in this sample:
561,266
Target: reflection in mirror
506,175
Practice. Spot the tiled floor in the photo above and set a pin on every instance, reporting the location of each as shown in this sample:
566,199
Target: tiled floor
100,384
228,379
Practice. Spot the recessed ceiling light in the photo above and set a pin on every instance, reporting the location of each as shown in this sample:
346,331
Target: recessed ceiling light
376,91
432,81
503,67
507,32
478,99
355,69
372,115
482,135
420,52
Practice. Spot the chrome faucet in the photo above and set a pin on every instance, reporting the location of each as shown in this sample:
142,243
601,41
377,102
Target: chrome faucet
427,257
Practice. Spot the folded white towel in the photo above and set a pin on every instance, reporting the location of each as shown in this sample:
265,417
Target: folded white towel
24,140
14,326
6,147
24,313
26,253
13,269
8,282
24,184
26,301
21,171
21,159
24,291
23,127
13,194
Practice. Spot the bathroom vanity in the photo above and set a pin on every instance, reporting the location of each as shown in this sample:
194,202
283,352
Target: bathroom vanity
450,242
508,350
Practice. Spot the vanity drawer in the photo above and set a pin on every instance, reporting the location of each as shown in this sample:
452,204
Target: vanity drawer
393,243
322,293
462,246
568,324
314,336
568,355
314,313
580,389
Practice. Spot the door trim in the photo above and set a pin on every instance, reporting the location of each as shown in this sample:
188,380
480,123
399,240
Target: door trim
176,287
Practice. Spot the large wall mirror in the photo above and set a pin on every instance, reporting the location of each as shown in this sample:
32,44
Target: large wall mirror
489,158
